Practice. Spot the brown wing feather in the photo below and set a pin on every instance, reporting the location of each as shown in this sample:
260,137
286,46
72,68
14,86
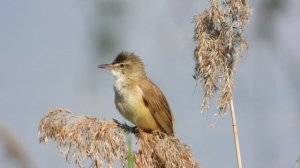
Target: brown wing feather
157,103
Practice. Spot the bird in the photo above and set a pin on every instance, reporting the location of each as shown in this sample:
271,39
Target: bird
137,98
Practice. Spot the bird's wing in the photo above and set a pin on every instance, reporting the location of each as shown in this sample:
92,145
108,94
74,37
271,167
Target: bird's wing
158,106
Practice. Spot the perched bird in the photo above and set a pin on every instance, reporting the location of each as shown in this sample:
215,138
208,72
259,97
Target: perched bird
137,98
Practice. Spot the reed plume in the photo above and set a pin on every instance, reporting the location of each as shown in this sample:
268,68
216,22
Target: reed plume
104,142
219,44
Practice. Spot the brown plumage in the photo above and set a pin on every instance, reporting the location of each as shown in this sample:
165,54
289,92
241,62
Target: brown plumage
137,98
157,104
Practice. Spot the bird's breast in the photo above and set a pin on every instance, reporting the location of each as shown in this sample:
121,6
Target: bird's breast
129,102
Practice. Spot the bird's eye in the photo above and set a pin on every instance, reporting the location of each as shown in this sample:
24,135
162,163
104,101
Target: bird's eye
121,65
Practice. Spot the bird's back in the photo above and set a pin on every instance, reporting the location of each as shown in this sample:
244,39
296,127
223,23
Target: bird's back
157,104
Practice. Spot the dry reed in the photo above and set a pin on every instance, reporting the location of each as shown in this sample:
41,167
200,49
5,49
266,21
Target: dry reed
160,150
219,43
84,138
104,143
13,149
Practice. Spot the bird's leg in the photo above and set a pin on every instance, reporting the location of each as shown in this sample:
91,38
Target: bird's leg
126,127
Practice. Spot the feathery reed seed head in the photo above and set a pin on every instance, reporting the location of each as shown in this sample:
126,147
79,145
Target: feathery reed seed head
104,142
219,43
160,150
84,138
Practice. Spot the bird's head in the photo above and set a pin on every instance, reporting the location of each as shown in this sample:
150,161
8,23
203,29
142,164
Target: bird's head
126,65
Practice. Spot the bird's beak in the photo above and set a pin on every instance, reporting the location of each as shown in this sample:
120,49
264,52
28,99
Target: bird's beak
106,66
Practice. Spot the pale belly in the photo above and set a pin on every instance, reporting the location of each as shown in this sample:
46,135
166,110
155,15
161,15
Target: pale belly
131,107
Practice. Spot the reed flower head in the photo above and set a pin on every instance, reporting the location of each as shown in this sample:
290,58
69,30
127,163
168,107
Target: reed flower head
84,138
219,43
104,142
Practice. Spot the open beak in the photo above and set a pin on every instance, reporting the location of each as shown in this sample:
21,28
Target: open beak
106,66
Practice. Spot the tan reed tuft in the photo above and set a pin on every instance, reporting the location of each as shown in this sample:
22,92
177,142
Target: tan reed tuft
160,150
84,138
104,142
219,43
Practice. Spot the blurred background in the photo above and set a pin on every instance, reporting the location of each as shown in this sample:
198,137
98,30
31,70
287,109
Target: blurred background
49,51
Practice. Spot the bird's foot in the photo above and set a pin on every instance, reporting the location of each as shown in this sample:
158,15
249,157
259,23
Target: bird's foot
125,127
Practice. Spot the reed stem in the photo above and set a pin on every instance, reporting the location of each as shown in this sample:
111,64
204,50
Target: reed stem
236,136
